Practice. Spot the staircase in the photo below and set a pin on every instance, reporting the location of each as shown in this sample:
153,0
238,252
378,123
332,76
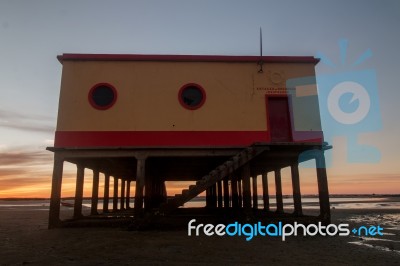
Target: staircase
211,178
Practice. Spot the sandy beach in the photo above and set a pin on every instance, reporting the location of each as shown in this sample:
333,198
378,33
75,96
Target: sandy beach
25,240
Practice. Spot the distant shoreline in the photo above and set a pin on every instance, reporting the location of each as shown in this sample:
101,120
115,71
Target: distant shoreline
203,197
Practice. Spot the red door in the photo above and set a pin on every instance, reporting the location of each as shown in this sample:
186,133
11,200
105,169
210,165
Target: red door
279,119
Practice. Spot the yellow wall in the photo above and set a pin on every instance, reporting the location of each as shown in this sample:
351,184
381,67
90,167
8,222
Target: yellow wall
148,95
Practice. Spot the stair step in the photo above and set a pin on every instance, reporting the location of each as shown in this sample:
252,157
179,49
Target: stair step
192,186
249,150
206,178
228,163
221,167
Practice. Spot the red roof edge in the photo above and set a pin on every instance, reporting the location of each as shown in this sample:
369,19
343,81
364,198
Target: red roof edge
186,58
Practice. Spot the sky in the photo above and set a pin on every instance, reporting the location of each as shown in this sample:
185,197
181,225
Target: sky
33,33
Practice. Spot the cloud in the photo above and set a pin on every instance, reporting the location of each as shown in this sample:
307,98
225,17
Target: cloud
24,181
366,178
27,122
4,172
26,171
25,158
17,115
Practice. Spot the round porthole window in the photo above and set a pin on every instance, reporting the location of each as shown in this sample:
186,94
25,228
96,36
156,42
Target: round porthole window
102,96
192,96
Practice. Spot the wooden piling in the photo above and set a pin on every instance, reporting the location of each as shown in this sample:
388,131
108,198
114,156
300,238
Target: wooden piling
106,192
219,194
115,197
235,193
246,188
226,192
265,191
298,210
323,191
255,194
95,192
128,194
80,175
278,188
54,212
140,182
122,197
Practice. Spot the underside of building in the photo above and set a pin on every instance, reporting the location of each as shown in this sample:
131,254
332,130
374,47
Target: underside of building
228,175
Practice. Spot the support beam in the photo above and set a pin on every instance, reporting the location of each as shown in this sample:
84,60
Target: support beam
323,191
255,194
226,192
128,194
155,191
214,196
56,183
235,193
298,210
208,197
80,176
106,192
122,198
240,194
265,191
140,181
219,193
95,192
115,197
278,188
148,191
246,188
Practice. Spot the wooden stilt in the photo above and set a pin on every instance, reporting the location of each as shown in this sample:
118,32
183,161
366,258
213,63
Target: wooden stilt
106,192
246,188
149,189
80,175
240,194
208,197
323,191
214,196
298,210
219,193
226,192
255,194
122,198
235,193
161,193
140,183
128,194
265,191
95,192
54,213
278,188
115,197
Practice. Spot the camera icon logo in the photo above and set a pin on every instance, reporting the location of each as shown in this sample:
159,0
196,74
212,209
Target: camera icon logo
348,104
359,93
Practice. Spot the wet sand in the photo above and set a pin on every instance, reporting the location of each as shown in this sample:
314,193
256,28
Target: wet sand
25,240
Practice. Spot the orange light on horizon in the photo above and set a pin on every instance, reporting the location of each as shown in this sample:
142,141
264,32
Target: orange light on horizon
39,186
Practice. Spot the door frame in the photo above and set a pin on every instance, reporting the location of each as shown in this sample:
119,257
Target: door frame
290,111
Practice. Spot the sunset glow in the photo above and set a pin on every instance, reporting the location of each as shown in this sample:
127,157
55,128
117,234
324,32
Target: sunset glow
31,74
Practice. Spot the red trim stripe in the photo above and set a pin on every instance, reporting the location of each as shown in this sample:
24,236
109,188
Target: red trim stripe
162,138
186,58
